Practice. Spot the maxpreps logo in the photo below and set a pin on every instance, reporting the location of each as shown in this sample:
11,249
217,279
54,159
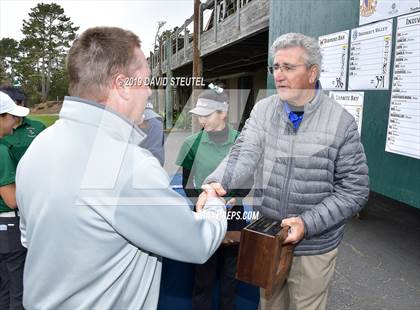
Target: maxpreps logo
367,7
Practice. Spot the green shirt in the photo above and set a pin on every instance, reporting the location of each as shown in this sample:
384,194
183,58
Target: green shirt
202,156
22,137
7,172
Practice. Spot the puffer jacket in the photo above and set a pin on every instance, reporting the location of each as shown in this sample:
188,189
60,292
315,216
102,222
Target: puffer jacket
318,172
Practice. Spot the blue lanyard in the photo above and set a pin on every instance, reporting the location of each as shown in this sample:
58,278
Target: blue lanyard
293,117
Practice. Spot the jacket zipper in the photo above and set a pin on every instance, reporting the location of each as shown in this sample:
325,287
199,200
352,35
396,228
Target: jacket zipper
285,189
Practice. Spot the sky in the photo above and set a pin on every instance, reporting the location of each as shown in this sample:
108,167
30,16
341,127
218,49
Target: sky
139,16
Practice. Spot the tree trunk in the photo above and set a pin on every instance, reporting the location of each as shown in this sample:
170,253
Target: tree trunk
43,84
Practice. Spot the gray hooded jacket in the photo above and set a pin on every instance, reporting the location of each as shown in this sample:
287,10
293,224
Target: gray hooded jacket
318,172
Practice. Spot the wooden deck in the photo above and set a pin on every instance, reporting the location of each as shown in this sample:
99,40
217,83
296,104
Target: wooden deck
232,26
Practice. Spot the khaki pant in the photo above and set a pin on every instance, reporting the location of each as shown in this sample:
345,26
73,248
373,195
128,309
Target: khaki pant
306,287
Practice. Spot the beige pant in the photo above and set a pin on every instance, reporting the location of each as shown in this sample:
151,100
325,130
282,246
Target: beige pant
307,285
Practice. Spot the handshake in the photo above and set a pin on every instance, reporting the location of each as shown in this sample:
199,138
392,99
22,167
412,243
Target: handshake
215,190
212,190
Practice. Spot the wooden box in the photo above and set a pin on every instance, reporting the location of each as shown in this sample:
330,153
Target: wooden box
263,259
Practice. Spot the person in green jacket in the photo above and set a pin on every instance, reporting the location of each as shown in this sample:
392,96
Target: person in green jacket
199,156
12,253
27,129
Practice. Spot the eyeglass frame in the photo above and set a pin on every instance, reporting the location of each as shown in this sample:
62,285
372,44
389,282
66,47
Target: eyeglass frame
289,67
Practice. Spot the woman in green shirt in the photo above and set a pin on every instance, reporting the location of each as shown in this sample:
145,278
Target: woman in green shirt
12,254
199,156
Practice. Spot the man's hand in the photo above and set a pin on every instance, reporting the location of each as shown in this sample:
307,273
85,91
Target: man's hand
296,231
209,190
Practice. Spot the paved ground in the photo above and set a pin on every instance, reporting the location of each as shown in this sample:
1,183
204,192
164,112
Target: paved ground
379,260
378,264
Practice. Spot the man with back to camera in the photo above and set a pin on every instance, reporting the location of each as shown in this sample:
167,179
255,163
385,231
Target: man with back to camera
12,253
310,169
101,213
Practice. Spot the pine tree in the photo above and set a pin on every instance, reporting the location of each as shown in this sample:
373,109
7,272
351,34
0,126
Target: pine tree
9,54
3,76
48,35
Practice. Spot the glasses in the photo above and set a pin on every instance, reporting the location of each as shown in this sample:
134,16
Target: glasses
284,68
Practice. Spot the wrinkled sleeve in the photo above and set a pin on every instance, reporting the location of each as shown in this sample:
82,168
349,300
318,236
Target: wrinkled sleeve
351,188
237,169
157,219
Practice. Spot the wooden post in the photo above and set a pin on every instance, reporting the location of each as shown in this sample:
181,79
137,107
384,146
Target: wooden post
168,92
160,96
215,11
176,46
185,40
238,15
223,9
200,24
197,64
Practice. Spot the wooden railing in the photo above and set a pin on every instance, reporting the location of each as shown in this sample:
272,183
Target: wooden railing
231,21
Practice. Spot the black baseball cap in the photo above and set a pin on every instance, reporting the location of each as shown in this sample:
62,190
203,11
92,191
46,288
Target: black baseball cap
15,93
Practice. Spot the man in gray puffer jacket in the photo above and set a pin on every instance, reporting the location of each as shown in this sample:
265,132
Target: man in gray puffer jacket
303,152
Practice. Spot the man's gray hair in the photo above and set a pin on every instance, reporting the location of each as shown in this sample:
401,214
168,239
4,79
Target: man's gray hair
312,54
